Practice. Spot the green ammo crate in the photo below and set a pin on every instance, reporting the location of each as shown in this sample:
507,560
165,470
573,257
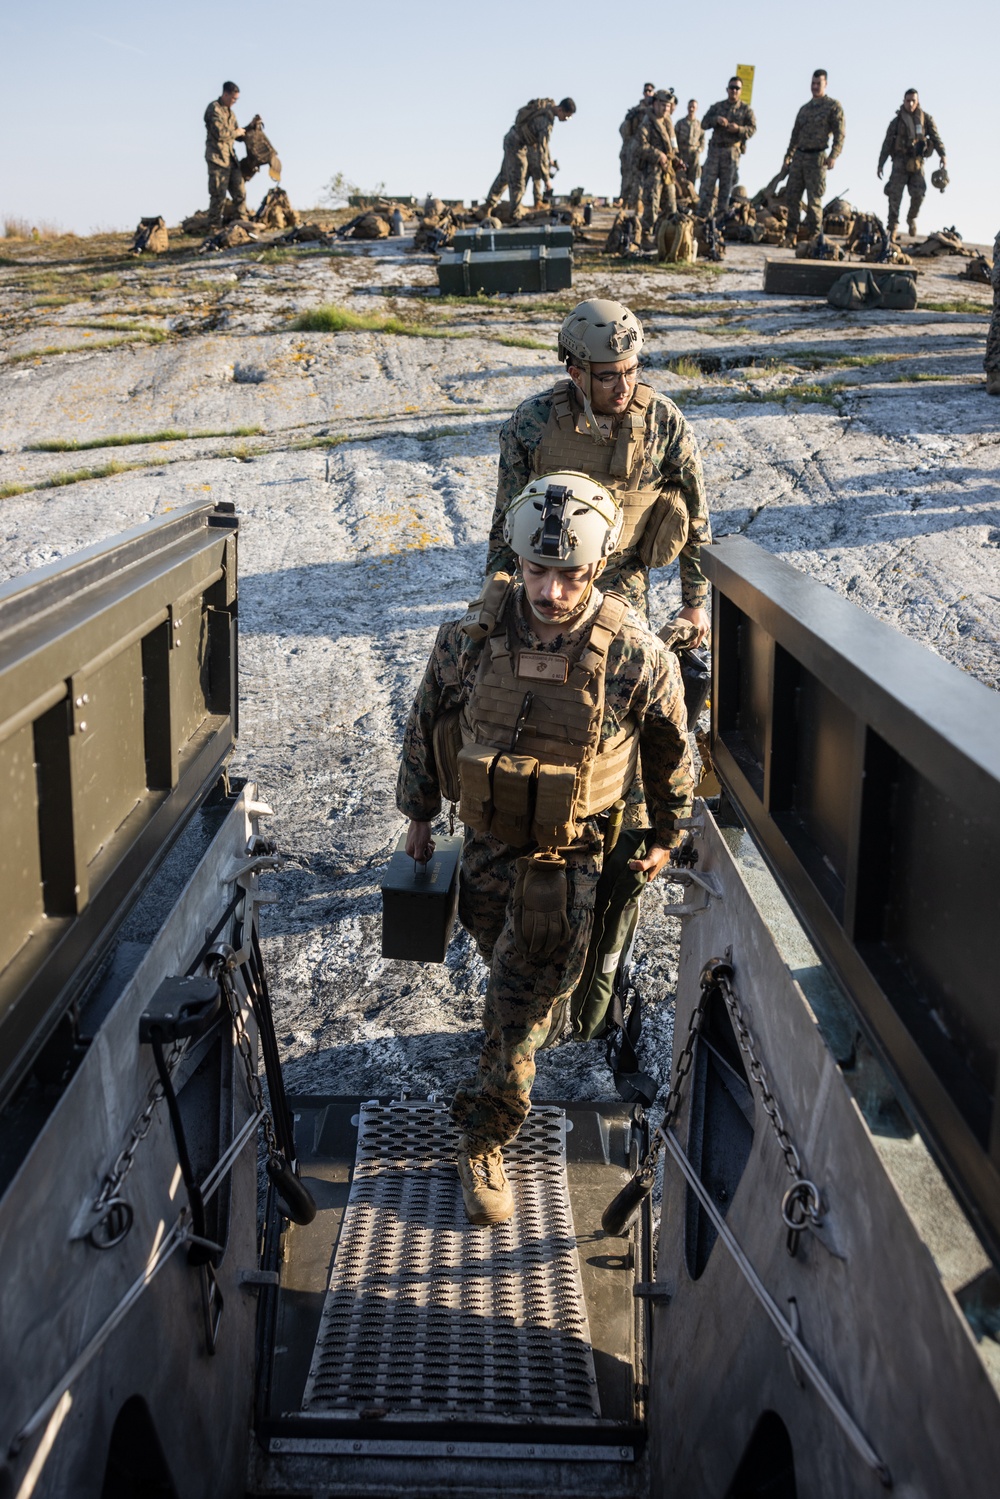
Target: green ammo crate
463,273
555,236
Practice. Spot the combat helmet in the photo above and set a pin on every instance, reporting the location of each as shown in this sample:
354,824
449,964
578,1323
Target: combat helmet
563,520
600,332
940,178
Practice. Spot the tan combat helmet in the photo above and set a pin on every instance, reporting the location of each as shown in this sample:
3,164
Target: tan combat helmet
598,332
563,520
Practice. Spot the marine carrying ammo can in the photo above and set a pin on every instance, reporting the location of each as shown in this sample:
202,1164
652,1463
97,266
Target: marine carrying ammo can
463,273
419,902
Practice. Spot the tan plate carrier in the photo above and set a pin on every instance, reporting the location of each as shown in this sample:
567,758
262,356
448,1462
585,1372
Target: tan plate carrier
656,519
533,763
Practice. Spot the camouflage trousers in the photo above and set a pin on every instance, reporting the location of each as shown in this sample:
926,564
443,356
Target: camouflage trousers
659,195
806,175
991,364
691,165
631,193
900,180
223,180
720,167
513,174
522,992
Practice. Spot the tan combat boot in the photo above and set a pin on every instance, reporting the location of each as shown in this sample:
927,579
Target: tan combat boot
485,1189
911,228
993,382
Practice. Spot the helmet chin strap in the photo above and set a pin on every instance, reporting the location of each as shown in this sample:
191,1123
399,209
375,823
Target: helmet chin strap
586,390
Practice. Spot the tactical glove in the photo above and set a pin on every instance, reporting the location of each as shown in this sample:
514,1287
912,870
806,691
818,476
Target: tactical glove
541,925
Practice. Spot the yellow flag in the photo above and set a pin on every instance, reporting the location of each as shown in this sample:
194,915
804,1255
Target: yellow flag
744,72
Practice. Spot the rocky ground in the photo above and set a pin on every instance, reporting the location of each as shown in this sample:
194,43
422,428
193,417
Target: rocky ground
859,446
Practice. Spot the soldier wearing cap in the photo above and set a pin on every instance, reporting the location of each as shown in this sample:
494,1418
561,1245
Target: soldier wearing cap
224,174
732,123
605,421
532,715
657,152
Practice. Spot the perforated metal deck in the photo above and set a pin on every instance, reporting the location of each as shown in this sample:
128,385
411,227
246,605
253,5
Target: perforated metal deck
429,1316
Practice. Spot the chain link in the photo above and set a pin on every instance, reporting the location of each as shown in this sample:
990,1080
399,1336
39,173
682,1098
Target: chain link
142,1124
801,1204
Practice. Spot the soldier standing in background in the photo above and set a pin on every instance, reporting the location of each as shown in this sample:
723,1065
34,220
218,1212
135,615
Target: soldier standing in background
530,132
911,136
224,173
656,151
991,364
631,189
732,123
817,140
690,138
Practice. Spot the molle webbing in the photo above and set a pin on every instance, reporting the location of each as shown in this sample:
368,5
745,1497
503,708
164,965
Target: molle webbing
616,464
557,727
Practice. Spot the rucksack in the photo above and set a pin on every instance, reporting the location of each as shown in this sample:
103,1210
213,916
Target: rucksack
533,107
858,289
151,235
675,240
898,291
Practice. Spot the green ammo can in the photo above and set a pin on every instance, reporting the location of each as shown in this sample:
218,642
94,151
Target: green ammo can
419,902
463,273
554,236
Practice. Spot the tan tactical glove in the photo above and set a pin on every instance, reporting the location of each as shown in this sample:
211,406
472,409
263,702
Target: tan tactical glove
541,925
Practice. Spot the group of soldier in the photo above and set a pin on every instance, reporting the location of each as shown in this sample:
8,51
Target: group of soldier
656,155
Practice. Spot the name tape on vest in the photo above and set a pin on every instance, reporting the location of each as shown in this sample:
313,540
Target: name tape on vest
542,667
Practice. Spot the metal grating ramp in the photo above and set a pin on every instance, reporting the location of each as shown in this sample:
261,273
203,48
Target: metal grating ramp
429,1316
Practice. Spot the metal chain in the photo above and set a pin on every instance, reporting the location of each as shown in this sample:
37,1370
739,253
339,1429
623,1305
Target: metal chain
142,1124
801,1204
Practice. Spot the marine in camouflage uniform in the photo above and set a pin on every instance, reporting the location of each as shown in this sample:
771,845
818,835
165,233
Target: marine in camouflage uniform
690,135
723,156
672,458
224,174
657,146
991,364
525,144
642,680
816,141
911,136
628,156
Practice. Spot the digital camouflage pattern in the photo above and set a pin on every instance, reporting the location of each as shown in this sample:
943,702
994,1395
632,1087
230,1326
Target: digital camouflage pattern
525,146
905,130
659,190
224,175
723,156
643,680
806,177
818,122
631,184
690,139
991,363
672,459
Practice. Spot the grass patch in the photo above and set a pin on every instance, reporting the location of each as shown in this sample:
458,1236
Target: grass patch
116,327
822,395
960,304
133,439
700,309
334,319
101,343
914,377
73,476
516,341
665,267
687,369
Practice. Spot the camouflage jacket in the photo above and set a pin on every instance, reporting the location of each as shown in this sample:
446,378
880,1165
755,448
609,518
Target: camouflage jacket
742,125
629,127
690,136
672,459
815,123
905,129
643,680
655,135
221,127
536,129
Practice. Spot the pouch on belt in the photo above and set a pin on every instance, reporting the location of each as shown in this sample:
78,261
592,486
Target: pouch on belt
513,778
475,764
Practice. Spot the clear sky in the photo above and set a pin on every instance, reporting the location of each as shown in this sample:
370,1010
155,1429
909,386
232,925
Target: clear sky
102,103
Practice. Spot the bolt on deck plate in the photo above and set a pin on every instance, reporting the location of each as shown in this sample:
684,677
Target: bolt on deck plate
427,1315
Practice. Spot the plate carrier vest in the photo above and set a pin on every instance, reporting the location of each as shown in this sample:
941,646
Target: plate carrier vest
533,764
656,519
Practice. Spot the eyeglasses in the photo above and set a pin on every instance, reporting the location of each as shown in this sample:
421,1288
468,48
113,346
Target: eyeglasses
734,88
630,376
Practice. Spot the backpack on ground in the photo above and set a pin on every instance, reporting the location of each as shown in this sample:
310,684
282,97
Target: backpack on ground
150,235
675,239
